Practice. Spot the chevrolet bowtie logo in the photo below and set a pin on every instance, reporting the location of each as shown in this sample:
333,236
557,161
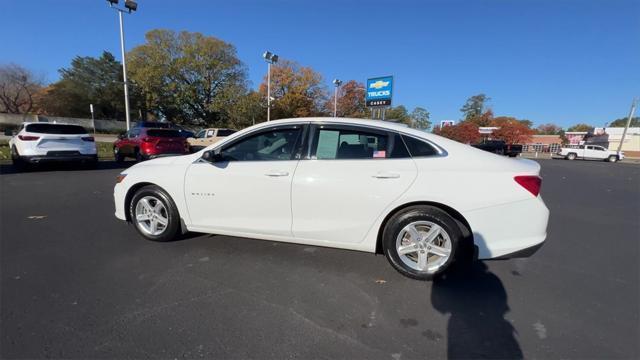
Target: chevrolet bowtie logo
379,84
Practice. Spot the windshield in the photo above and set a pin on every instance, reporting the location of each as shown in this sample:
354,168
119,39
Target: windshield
55,129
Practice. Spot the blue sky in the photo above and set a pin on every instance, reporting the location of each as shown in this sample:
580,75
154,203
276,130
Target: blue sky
561,61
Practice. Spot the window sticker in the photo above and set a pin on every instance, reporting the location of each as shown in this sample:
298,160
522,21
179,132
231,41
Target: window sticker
327,144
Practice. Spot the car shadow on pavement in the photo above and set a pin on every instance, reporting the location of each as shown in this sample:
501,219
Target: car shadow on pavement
6,169
476,300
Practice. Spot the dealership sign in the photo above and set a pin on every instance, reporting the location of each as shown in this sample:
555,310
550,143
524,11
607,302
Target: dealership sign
379,91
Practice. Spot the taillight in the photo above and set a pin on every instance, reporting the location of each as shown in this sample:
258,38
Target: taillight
88,138
28,137
120,177
531,183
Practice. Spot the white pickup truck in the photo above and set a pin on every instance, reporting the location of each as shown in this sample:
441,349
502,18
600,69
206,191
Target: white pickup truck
590,152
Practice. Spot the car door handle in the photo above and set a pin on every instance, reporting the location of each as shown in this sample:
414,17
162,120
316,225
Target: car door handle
386,175
277,173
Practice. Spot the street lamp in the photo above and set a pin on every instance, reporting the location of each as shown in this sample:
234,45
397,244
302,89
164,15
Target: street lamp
130,6
337,83
270,58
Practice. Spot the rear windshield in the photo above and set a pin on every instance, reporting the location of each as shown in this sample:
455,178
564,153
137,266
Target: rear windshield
163,133
225,132
149,124
56,129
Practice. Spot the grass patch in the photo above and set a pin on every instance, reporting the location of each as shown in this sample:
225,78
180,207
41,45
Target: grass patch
105,150
5,152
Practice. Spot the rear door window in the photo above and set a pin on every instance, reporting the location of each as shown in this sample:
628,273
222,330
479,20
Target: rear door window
225,132
164,133
349,143
419,148
58,129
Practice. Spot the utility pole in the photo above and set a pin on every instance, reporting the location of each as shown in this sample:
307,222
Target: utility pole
634,103
130,6
270,58
337,83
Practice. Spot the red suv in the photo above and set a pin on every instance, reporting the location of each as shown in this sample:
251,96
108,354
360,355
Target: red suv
148,143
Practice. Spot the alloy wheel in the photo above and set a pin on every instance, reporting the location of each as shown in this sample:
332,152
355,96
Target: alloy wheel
423,246
151,215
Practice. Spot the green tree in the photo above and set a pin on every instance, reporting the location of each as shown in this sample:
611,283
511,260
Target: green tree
188,77
474,106
247,110
398,114
90,80
581,127
622,122
420,118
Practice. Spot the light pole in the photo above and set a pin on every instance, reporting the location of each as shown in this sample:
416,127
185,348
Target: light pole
337,83
130,6
270,58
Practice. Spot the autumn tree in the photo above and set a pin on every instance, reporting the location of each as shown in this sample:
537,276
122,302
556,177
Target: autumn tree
475,106
297,91
580,127
188,77
18,86
89,80
465,132
483,119
549,129
351,101
420,118
511,130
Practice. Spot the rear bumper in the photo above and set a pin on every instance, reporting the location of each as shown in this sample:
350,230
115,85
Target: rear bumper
36,159
511,230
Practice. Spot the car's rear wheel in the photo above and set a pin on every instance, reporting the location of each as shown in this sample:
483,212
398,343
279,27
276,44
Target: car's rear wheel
16,160
154,214
612,158
571,156
421,241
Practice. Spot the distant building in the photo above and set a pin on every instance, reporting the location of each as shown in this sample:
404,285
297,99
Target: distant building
444,123
543,143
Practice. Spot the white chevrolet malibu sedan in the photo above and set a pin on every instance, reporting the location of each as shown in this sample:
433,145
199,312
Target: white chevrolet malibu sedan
373,186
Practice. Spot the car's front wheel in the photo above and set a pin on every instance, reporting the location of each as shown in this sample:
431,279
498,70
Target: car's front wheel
421,241
612,158
154,214
119,157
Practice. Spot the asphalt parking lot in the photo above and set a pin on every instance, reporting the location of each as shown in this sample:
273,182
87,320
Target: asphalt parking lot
77,283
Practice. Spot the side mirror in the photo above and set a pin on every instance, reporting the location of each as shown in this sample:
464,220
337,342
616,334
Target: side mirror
212,156
121,136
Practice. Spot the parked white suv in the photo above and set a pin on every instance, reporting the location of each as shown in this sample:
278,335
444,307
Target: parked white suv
45,142
592,152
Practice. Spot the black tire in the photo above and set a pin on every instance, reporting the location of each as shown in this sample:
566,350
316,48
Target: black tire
571,156
612,158
172,228
139,156
119,157
419,213
16,160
